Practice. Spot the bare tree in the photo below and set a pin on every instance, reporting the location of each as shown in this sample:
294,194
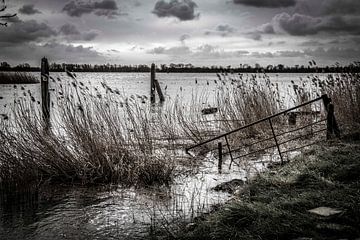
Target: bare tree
4,16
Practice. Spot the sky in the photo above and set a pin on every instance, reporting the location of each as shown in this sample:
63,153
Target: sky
200,32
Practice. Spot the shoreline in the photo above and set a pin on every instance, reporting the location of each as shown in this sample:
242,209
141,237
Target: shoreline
280,203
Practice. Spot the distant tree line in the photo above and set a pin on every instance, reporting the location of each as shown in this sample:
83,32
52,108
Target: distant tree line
186,68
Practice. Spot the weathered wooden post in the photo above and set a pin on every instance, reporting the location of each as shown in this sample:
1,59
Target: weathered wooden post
220,156
331,124
152,83
158,89
326,101
45,94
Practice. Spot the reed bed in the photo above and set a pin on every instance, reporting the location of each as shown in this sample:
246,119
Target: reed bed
344,90
101,136
17,78
88,143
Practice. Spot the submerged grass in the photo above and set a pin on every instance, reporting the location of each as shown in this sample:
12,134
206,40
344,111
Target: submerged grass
276,205
17,78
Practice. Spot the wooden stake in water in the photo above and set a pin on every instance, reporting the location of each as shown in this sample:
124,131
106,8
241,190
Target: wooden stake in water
152,83
45,95
158,89
220,156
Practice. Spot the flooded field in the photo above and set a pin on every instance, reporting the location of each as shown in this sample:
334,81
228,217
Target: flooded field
111,211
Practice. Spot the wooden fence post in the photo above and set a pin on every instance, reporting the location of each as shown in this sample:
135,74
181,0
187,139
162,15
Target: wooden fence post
158,89
152,83
45,94
220,156
331,124
326,101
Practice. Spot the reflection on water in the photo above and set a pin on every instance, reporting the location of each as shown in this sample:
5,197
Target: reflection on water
104,213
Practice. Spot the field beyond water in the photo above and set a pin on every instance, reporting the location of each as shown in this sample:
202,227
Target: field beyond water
315,196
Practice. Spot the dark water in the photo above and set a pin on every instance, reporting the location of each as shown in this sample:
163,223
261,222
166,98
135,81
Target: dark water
57,212
73,213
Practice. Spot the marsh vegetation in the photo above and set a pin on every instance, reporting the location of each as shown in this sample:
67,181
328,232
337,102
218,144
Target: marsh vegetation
99,136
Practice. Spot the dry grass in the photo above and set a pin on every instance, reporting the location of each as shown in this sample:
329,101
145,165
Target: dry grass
247,99
92,141
102,137
344,90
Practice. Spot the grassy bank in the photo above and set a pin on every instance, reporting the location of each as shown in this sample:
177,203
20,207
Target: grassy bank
17,78
276,204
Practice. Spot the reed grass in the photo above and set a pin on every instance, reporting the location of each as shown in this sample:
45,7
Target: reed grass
344,90
17,78
106,137
89,143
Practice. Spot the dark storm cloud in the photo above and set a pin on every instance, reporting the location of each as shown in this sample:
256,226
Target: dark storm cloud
106,8
301,25
29,9
55,52
257,33
225,29
328,7
69,51
266,28
184,10
69,29
88,36
267,3
313,17
341,7
222,30
26,31
72,33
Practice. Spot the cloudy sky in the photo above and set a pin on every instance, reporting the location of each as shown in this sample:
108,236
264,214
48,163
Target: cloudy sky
201,32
